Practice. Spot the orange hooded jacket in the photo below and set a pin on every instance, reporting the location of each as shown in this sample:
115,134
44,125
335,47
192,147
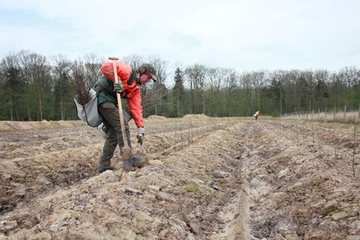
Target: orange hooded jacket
132,92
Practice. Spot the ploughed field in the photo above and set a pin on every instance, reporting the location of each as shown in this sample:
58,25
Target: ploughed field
206,178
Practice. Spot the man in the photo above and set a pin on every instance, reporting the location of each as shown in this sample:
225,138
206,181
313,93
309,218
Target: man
129,88
257,113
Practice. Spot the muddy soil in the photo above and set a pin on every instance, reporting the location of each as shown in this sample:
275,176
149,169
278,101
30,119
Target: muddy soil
206,178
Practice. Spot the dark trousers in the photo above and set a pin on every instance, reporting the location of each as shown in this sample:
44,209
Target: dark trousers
114,137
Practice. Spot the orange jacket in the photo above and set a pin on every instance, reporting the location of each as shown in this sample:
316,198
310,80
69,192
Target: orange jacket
132,92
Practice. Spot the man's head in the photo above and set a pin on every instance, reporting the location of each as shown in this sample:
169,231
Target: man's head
147,69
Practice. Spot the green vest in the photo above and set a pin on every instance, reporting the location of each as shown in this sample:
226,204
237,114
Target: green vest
107,95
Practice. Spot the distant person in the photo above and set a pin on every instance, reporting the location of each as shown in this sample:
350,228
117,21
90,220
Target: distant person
131,80
256,114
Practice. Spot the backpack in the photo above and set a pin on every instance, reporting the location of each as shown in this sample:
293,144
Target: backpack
88,112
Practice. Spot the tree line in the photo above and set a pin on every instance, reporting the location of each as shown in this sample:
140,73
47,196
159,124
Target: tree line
35,87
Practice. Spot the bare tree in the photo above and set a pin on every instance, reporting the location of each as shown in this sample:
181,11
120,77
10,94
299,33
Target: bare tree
61,70
309,76
24,61
213,87
246,85
40,73
92,65
159,86
195,76
279,78
229,78
133,60
321,88
349,76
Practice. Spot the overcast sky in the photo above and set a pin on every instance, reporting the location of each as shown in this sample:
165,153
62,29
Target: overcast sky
245,35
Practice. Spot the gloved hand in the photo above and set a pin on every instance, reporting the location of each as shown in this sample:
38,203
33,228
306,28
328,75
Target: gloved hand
141,135
117,87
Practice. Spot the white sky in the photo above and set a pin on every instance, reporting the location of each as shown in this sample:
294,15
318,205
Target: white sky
245,35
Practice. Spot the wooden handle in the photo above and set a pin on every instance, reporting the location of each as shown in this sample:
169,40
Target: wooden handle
122,123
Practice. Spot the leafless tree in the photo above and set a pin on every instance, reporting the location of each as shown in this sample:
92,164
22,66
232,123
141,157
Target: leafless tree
92,65
61,75
351,76
158,87
34,71
246,85
40,73
133,60
195,77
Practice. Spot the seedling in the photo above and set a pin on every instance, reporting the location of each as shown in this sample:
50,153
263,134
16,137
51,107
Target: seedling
192,187
317,183
209,189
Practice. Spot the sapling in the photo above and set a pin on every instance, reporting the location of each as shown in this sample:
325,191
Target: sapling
192,187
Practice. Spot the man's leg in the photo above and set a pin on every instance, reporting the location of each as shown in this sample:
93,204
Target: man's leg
111,113
108,149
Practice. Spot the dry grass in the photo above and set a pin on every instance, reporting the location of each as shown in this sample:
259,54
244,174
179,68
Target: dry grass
347,117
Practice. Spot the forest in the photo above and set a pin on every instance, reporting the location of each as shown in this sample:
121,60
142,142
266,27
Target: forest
35,87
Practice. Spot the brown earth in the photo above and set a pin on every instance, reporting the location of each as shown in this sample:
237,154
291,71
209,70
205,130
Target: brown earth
207,178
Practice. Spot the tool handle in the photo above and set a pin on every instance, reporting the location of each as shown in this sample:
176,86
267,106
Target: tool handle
122,123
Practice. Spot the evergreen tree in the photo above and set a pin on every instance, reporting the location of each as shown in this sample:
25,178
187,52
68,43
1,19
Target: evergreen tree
14,87
178,94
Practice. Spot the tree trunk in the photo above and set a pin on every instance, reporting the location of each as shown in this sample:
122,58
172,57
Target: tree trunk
40,108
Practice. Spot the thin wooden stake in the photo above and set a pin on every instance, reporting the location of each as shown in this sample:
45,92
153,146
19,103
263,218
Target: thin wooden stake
335,143
354,151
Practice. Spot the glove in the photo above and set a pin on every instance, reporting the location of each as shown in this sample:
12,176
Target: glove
117,87
141,135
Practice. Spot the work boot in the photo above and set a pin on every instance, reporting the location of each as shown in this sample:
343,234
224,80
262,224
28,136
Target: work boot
137,161
101,169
